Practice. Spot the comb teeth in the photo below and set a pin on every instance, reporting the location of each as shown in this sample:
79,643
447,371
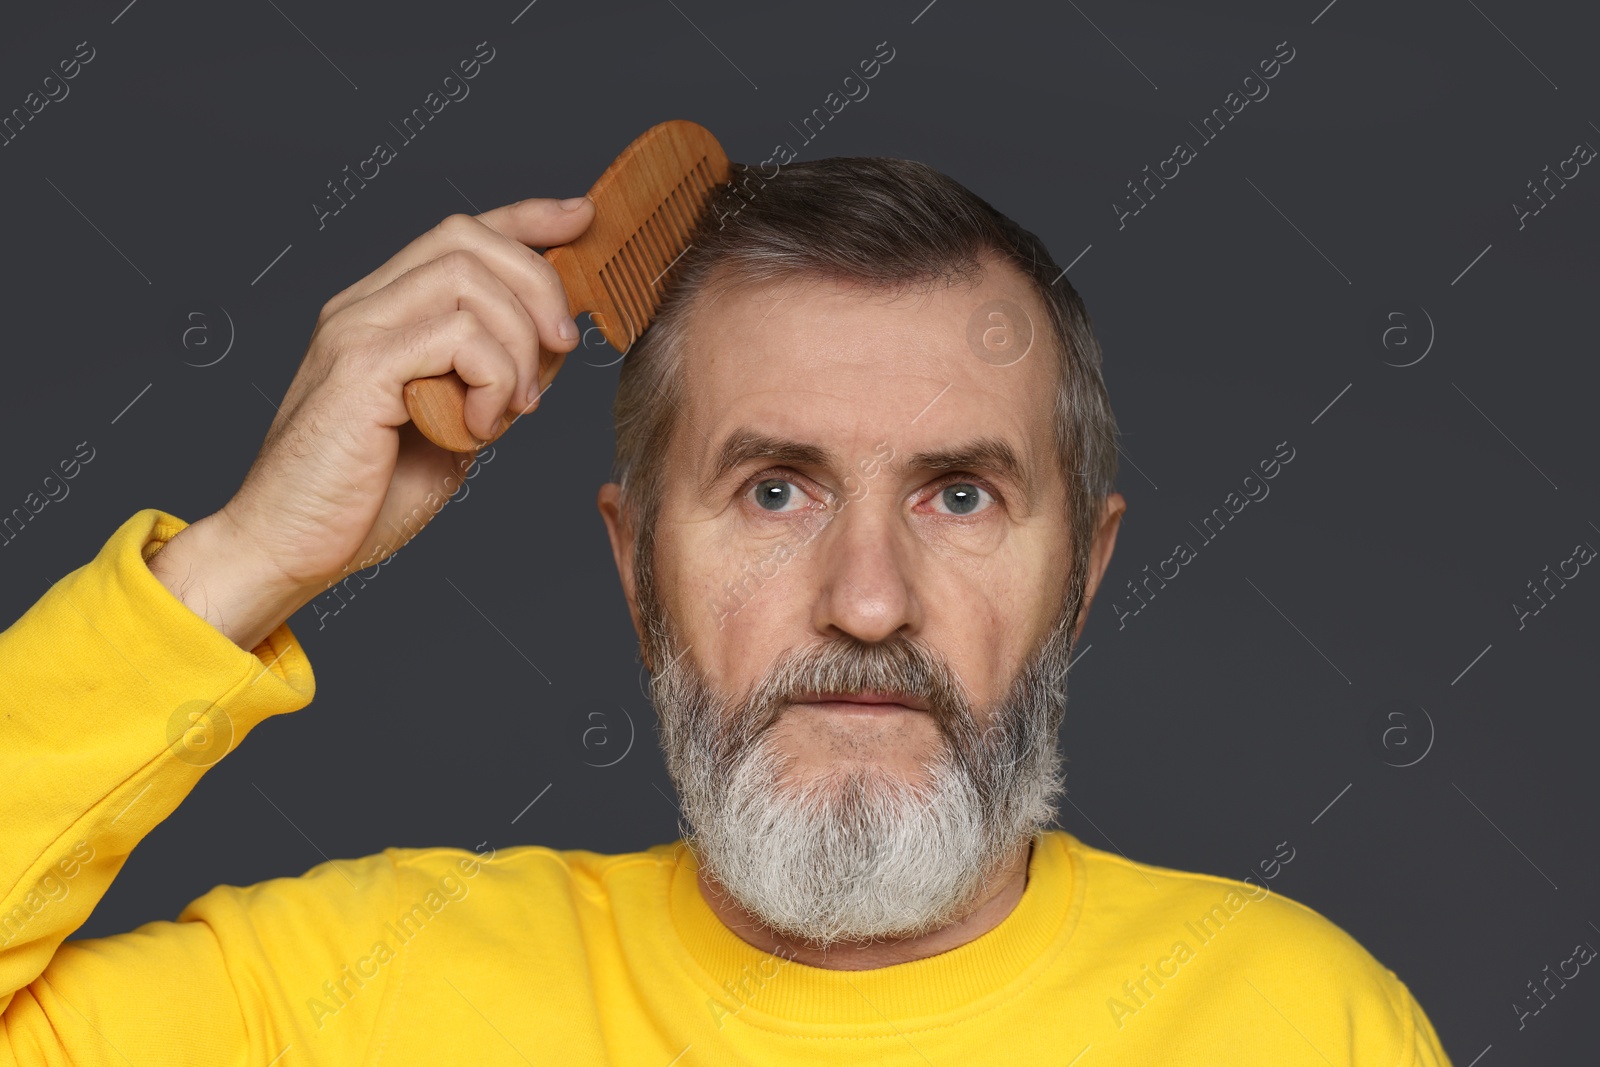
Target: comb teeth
635,278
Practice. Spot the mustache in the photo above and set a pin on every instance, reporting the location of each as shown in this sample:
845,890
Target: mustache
850,665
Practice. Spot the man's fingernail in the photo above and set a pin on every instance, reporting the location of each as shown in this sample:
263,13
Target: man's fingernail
567,329
533,395
573,203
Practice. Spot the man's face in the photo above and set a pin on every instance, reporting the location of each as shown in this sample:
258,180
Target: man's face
769,555
858,507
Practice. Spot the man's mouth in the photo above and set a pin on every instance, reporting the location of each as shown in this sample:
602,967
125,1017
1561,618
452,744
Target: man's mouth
870,702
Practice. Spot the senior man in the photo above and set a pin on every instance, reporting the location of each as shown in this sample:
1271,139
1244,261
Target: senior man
862,500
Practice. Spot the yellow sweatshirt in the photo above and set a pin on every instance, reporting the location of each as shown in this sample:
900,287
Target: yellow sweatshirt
117,698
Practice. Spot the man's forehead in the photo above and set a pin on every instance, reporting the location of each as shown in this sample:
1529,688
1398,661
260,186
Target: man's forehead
842,368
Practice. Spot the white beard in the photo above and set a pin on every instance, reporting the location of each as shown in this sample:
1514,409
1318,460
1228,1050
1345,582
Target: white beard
863,854
847,857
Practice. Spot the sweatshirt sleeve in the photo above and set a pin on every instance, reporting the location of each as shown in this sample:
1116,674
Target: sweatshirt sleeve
118,697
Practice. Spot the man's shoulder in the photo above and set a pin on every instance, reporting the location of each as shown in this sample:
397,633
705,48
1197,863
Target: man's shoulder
1248,927
1208,905
532,868
534,876
1173,944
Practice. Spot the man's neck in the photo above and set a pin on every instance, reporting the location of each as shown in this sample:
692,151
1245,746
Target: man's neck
998,900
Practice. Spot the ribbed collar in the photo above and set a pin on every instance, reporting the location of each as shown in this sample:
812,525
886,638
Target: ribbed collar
990,968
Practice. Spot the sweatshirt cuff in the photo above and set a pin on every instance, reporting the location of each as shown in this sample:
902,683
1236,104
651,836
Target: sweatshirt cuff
210,691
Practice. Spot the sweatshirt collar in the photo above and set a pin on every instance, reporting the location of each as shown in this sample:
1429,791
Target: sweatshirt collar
758,987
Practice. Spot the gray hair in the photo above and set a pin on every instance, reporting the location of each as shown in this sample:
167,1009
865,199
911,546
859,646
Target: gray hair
888,223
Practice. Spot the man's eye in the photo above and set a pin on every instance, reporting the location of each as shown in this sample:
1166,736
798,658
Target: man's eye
962,498
778,494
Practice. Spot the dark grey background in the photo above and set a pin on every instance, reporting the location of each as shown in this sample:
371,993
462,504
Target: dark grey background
1358,617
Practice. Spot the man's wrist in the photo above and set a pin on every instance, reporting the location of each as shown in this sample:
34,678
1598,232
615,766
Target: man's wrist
209,570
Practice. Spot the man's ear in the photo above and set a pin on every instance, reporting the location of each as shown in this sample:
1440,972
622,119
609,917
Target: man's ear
622,541
1105,539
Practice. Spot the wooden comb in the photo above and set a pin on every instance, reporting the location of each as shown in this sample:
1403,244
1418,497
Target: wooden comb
647,204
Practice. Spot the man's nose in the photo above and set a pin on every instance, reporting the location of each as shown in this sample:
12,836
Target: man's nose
866,560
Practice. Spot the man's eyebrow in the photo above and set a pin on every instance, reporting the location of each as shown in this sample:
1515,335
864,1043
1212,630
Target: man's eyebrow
983,454
744,444
989,454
